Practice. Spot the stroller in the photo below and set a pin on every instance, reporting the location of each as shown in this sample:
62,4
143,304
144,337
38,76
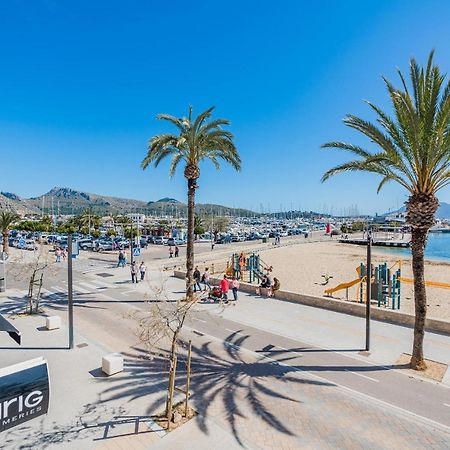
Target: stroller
215,294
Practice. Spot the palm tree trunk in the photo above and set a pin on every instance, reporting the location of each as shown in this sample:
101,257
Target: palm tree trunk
190,239
5,241
418,240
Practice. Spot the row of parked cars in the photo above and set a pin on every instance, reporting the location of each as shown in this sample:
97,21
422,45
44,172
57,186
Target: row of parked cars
226,238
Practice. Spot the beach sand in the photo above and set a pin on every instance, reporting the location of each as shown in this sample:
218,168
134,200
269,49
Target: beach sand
300,268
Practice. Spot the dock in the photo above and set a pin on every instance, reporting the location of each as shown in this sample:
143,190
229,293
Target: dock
379,242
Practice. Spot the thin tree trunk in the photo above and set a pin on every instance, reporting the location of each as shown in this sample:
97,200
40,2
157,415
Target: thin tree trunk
5,241
190,240
418,240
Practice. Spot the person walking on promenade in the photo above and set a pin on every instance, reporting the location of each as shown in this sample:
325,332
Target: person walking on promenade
134,272
234,288
177,251
205,279
58,255
224,287
170,252
142,270
121,261
196,276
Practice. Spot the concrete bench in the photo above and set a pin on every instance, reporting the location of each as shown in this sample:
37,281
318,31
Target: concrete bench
52,322
112,363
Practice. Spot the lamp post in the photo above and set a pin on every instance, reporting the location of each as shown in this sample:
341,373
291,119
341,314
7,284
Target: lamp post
70,289
368,285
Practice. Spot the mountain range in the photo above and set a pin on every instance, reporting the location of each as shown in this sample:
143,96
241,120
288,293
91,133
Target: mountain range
62,201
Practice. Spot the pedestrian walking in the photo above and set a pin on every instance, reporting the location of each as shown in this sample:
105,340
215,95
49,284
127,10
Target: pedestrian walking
142,270
206,279
196,276
170,252
224,287
58,255
64,254
134,272
235,288
177,251
121,261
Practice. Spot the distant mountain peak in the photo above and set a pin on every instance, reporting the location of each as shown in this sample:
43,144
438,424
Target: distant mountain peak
65,192
10,195
167,200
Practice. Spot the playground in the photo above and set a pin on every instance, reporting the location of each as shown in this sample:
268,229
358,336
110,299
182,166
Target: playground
301,268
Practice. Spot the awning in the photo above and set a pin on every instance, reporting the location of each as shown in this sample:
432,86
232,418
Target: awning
7,326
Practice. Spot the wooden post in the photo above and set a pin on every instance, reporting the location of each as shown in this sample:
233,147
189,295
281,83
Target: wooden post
171,390
188,379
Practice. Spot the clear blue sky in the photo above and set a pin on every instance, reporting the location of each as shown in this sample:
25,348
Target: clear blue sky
81,83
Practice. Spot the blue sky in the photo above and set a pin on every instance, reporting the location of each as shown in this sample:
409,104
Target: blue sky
81,83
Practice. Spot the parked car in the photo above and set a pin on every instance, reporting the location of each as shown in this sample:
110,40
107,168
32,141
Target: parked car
101,246
30,245
85,244
223,240
160,240
175,241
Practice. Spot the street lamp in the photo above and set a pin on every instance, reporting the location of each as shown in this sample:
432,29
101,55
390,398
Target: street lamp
368,285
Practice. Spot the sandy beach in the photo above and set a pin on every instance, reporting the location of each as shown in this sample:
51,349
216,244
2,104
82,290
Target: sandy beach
300,268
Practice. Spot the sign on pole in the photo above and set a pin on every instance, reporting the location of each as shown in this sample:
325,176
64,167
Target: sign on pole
136,251
24,392
21,243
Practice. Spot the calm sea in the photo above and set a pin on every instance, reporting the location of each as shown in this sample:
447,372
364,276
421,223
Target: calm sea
438,247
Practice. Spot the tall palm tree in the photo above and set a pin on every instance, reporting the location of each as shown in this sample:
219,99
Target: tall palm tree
197,139
414,151
7,218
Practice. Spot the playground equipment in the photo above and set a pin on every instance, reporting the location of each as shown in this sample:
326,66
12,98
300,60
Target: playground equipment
247,267
385,285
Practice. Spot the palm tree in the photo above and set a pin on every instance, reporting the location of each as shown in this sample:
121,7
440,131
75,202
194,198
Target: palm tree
414,151
198,139
7,218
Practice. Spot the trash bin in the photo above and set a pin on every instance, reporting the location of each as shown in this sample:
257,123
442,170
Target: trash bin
264,240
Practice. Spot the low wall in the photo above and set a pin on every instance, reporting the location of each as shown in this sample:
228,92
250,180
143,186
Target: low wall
355,309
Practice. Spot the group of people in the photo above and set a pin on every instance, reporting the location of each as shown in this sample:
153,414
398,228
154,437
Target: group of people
142,269
266,283
60,252
173,251
225,284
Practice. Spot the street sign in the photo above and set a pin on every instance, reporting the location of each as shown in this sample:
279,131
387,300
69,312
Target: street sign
24,392
21,243
75,249
136,251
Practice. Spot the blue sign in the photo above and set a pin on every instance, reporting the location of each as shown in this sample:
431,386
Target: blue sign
136,251
21,243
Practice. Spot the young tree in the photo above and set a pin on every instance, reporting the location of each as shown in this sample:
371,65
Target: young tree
414,151
198,139
7,219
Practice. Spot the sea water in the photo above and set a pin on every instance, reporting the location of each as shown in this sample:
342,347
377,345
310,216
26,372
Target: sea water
438,248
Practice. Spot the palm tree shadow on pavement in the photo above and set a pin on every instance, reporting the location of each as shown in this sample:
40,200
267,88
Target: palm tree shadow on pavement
226,382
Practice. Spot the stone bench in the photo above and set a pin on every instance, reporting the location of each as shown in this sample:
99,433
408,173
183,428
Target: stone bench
52,322
112,363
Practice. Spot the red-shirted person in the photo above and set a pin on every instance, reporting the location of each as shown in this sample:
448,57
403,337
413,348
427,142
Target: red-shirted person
224,287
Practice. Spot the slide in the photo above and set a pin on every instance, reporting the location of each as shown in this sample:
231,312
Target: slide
343,286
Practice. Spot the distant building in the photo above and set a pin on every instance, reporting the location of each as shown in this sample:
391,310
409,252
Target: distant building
137,218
